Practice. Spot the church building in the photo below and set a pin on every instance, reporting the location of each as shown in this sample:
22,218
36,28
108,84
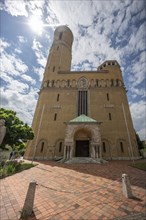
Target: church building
81,113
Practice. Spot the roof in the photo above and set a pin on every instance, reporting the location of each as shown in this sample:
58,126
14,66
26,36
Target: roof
83,119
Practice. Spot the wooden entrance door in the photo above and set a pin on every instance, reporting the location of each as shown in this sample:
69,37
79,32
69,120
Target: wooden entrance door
82,148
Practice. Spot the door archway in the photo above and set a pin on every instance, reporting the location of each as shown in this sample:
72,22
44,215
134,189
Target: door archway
82,138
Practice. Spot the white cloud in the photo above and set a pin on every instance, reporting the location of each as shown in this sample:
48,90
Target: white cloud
17,50
12,65
21,87
17,94
137,40
39,71
137,92
15,8
23,104
22,39
28,79
37,47
138,111
35,7
22,7
3,44
136,73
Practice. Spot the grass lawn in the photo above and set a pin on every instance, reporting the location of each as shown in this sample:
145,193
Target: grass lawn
140,165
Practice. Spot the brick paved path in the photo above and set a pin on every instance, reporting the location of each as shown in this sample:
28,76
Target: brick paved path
75,191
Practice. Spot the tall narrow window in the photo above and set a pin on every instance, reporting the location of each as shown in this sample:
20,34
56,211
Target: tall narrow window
60,36
82,102
107,96
110,116
60,146
53,68
42,147
55,117
68,83
58,97
97,82
104,147
121,145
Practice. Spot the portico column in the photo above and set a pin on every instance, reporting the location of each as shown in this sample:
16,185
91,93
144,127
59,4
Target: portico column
71,151
100,150
64,156
92,150
68,152
96,151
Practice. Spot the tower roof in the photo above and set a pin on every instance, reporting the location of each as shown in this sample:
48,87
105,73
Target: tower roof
63,28
63,34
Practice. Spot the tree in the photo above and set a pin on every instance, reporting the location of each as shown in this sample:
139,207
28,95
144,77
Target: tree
139,142
17,133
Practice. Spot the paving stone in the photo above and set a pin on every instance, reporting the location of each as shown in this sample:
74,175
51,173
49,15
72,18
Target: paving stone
75,191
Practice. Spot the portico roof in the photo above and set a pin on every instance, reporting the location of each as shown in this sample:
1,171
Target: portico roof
83,119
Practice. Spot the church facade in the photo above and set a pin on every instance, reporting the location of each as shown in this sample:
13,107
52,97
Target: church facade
81,113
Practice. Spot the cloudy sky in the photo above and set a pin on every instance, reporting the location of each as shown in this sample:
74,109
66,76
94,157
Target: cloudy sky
102,29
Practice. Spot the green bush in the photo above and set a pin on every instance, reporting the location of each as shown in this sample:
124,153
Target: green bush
10,167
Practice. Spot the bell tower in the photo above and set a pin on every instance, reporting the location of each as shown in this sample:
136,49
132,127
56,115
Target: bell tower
60,53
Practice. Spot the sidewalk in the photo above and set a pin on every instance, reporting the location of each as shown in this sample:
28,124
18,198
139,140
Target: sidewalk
75,191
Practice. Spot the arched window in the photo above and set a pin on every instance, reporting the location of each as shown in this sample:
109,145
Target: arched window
53,68
60,146
104,147
121,146
42,147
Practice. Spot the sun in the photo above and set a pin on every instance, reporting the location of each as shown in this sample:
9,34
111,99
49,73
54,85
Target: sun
36,24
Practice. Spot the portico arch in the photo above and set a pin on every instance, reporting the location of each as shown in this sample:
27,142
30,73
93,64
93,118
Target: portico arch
82,130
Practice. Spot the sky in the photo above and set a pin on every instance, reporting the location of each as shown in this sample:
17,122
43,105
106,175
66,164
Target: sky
102,29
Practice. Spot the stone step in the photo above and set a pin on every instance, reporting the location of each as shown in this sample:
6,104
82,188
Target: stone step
84,160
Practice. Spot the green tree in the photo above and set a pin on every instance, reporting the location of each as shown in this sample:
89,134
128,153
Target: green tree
139,142
17,132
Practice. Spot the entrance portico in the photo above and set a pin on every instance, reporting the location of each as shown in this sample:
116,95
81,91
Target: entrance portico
82,138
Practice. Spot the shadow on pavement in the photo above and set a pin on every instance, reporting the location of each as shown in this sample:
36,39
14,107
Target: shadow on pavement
112,170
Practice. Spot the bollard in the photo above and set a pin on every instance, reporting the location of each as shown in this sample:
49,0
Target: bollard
29,200
126,186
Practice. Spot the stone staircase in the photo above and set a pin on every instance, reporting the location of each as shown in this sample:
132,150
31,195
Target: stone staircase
76,160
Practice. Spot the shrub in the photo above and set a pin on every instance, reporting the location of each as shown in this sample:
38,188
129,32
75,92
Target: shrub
10,167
